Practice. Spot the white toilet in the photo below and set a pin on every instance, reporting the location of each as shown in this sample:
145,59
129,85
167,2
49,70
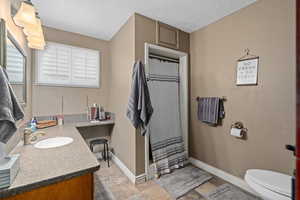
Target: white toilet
269,185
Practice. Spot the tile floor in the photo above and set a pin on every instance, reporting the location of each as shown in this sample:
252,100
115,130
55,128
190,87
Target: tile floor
112,184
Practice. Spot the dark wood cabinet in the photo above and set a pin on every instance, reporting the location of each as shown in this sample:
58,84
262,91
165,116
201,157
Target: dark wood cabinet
81,187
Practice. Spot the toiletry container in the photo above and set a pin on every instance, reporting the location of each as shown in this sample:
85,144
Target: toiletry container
102,114
93,112
33,124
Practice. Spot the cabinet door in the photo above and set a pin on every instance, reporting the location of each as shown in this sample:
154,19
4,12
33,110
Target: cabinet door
167,35
78,188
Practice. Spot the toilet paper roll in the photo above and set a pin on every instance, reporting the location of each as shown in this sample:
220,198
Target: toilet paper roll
236,132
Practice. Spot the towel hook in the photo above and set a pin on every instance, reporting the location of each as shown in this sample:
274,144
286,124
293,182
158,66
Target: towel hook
247,51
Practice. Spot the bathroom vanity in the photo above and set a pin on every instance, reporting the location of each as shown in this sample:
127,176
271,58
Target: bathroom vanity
62,173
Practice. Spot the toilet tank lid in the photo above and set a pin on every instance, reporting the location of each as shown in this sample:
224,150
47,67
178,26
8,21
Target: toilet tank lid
274,181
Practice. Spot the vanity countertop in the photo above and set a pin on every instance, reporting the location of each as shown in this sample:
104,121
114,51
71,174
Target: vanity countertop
41,167
95,123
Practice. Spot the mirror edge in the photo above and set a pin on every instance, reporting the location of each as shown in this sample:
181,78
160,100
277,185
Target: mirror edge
3,37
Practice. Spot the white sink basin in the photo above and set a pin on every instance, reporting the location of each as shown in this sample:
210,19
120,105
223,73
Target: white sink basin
53,142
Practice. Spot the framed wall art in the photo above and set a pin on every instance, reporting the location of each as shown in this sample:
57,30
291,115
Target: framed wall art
247,70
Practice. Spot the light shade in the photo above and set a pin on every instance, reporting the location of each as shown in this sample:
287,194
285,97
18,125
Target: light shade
35,35
36,42
36,46
34,29
25,15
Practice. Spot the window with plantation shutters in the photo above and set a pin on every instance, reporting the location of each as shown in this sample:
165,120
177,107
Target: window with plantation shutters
65,65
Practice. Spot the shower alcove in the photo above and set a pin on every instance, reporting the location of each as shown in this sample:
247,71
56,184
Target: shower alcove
154,51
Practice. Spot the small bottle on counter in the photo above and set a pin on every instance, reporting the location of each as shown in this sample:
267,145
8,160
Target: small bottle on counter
107,116
33,124
93,112
60,120
102,114
97,113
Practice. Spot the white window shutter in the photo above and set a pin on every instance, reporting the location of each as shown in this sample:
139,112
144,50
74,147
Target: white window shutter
67,65
92,67
85,67
54,65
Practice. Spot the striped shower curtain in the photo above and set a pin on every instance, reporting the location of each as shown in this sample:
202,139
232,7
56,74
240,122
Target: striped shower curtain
165,130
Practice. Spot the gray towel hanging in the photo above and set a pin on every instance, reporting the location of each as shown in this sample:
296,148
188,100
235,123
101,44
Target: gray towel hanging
139,110
210,110
10,110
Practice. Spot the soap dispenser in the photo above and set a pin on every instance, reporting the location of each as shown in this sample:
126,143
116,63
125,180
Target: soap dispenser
33,123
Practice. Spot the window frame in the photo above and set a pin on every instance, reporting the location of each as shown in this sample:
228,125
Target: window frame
68,85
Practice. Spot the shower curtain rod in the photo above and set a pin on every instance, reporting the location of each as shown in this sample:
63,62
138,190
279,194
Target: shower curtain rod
163,58
164,80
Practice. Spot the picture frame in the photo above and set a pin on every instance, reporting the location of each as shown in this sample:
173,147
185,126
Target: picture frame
247,71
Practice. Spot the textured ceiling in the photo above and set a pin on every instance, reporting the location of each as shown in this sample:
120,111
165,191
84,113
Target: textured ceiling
103,18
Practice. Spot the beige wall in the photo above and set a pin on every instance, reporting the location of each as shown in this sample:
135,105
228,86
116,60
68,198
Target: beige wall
47,100
267,28
21,39
145,31
121,62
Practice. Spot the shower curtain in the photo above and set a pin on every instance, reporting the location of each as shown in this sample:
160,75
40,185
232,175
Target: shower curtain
165,130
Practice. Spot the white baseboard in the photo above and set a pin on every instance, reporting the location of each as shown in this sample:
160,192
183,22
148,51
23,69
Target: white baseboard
134,179
223,175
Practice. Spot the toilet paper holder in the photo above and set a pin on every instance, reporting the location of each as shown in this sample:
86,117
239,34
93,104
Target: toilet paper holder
240,125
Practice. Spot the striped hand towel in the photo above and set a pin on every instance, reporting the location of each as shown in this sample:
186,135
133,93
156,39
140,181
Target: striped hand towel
210,110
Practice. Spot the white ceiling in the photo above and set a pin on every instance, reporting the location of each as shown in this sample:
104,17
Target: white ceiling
103,18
